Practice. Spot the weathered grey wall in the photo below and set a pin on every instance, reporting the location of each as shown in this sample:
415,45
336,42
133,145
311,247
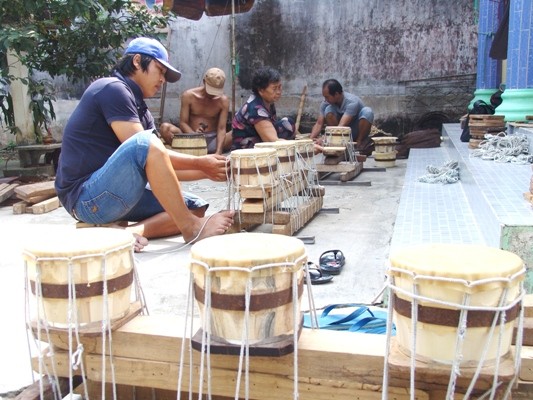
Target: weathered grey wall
386,51
413,61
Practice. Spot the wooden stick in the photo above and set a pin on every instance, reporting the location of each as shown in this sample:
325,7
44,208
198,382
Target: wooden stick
300,110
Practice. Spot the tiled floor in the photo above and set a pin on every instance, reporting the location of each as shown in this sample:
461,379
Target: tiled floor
488,196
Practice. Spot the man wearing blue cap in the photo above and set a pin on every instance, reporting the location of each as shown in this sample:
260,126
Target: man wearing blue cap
113,168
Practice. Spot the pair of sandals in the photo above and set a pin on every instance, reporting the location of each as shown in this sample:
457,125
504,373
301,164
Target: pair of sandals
331,263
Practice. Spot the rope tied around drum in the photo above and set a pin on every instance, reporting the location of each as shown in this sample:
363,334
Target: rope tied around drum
446,173
504,148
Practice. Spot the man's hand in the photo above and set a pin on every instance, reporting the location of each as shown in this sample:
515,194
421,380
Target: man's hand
215,166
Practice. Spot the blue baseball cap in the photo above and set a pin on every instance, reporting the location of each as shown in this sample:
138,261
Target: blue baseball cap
155,49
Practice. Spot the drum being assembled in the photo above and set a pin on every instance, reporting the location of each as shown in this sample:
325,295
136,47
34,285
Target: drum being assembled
87,270
259,269
190,143
452,285
286,152
254,168
338,135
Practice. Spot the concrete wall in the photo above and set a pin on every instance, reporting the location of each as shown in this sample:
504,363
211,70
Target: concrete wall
413,61
387,51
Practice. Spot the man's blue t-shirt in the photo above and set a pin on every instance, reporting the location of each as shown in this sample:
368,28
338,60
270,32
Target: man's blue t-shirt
88,140
351,105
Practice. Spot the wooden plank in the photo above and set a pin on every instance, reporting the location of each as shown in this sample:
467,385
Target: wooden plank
46,206
299,218
7,190
345,166
33,190
34,199
20,207
151,374
526,365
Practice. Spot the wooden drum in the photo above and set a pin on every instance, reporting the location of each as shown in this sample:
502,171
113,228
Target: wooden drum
385,151
86,270
190,143
455,286
254,168
338,136
286,152
264,267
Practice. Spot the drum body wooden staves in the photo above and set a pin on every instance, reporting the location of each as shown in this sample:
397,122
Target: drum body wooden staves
448,277
190,143
254,168
264,263
286,152
80,257
385,151
338,135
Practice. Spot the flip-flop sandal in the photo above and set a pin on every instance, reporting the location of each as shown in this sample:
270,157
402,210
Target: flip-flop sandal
332,262
316,275
336,321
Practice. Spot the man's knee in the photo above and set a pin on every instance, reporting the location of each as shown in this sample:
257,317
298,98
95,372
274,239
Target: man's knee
367,113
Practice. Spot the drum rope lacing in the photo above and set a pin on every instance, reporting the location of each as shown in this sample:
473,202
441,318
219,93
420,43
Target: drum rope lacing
290,194
244,352
464,307
504,148
75,356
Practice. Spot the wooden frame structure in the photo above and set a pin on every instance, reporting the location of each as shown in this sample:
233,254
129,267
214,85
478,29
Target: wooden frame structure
331,365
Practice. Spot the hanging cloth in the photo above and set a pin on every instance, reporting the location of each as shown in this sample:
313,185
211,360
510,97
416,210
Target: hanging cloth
498,49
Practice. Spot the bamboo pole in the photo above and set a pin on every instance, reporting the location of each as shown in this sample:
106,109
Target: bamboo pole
300,109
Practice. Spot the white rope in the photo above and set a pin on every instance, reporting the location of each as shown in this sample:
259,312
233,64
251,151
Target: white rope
76,356
244,353
504,148
504,305
446,173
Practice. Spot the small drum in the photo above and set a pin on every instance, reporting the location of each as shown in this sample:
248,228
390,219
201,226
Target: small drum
254,168
452,284
338,135
286,152
264,265
190,143
69,266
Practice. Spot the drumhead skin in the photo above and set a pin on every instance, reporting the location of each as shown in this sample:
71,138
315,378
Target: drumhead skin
465,261
75,242
248,250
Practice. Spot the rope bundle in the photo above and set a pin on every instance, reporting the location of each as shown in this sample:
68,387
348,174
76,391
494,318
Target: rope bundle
504,148
447,173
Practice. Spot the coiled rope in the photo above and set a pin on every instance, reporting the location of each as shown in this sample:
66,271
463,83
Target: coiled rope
504,148
447,173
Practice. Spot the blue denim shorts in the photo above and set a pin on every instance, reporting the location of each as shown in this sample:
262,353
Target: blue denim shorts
118,190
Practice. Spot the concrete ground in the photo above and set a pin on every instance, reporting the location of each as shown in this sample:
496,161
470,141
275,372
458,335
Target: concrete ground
362,229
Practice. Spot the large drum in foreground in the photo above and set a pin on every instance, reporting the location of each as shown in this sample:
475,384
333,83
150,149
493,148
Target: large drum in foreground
81,277
259,269
456,286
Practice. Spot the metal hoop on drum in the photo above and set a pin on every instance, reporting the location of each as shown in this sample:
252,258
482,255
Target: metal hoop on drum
468,296
248,288
82,287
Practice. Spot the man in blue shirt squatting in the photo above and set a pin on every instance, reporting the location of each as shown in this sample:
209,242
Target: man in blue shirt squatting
341,108
114,168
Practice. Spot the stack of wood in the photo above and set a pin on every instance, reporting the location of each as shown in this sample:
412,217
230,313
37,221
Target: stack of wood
481,124
36,198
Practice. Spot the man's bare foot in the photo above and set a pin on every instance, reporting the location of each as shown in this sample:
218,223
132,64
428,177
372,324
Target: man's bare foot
215,224
140,242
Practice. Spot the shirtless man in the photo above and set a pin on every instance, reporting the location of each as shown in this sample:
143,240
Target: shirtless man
204,109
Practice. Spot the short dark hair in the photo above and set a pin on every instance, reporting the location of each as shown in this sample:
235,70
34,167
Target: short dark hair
125,64
263,77
333,86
